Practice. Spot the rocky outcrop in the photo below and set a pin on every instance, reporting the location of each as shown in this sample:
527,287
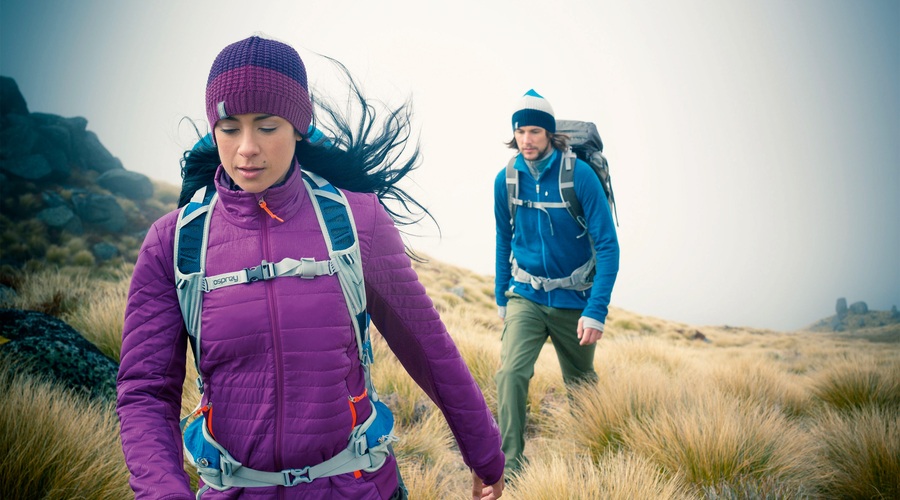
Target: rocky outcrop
47,347
58,181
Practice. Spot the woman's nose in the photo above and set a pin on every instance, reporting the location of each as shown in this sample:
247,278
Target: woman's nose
248,146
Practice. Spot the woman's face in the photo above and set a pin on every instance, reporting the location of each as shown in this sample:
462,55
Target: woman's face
256,149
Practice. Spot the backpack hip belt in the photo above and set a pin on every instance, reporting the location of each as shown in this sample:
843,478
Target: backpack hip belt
580,279
367,450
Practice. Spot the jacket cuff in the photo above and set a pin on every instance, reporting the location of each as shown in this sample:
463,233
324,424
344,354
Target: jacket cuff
592,323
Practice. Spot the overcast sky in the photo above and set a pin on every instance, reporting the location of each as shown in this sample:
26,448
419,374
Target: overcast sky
754,145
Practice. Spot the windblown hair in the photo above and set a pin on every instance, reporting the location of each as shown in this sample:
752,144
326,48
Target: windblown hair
558,141
370,156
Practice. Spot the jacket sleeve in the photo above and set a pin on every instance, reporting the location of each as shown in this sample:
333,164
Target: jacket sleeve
151,374
408,321
502,266
603,234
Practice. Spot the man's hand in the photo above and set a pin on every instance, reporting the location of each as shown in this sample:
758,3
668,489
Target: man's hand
588,336
481,491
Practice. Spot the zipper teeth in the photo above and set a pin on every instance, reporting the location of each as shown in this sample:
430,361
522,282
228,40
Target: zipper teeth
276,347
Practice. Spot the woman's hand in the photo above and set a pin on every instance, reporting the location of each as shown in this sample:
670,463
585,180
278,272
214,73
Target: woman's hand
481,491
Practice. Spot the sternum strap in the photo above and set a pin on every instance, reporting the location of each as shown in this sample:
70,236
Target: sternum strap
306,268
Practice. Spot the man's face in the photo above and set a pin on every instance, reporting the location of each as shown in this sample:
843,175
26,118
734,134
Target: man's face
532,141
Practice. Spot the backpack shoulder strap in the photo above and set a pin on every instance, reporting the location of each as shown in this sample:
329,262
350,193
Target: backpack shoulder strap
512,189
567,188
191,239
339,228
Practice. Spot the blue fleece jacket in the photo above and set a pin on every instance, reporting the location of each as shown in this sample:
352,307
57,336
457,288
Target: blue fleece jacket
551,244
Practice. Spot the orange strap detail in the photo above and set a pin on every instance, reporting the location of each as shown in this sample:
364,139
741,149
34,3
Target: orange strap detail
262,205
207,409
352,402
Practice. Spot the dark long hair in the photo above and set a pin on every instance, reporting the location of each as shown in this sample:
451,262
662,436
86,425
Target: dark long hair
366,157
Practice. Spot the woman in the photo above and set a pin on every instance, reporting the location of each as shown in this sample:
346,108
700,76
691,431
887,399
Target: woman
279,357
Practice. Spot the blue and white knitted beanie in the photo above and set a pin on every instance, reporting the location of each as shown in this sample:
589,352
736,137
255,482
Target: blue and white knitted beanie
534,110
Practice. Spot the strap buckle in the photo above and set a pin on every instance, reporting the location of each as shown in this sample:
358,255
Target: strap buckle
307,268
293,477
264,271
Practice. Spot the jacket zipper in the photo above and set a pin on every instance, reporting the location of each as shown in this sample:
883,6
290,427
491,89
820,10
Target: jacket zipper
276,347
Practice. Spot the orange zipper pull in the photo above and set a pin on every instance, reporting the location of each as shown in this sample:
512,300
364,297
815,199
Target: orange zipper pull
262,205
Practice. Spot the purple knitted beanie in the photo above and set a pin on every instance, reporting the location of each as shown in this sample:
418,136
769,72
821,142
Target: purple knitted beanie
258,75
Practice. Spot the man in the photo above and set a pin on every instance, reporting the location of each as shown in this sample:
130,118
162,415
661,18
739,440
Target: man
553,277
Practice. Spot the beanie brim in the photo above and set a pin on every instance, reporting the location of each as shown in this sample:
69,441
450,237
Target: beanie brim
534,118
252,89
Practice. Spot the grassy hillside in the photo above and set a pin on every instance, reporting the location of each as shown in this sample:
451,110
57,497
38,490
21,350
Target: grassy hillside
680,411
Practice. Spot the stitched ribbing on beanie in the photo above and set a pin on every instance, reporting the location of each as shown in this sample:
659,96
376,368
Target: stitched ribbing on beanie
534,110
257,75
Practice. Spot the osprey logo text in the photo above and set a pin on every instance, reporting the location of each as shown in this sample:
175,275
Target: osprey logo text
226,279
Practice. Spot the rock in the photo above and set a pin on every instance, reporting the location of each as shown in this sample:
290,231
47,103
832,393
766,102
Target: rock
104,251
96,156
99,210
57,216
32,167
18,135
46,346
836,324
698,335
131,185
841,307
11,99
859,308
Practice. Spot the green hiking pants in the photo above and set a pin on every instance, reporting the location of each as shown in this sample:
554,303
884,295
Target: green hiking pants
525,331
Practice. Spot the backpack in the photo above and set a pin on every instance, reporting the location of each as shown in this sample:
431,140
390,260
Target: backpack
584,144
369,443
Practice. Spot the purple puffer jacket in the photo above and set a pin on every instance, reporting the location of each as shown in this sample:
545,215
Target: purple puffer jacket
279,357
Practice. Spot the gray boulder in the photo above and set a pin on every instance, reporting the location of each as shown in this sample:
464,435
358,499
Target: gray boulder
11,99
841,307
56,216
104,251
96,156
43,345
131,185
31,167
18,135
99,210
859,308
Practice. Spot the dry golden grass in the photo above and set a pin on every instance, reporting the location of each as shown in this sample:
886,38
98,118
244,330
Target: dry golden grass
745,413
57,445
619,476
863,448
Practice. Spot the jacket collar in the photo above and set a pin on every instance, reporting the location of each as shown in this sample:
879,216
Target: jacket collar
243,209
552,158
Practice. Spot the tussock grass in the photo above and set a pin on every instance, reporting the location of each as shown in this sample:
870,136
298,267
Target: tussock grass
598,416
754,379
862,446
858,383
57,445
102,317
619,476
747,414
708,438
54,291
